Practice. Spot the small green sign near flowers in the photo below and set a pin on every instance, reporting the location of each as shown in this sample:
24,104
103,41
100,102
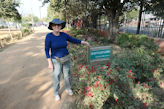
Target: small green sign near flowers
101,53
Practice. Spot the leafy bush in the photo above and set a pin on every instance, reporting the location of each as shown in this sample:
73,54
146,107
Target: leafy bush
108,87
26,31
75,32
143,54
132,41
124,82
99,36
112,85
145,62
27,25
1,27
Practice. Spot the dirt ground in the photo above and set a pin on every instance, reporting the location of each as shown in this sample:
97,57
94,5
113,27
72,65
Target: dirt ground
25,80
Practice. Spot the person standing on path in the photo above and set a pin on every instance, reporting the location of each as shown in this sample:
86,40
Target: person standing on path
59,60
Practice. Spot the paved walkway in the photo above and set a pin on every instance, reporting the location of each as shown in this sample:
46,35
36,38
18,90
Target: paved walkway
25,80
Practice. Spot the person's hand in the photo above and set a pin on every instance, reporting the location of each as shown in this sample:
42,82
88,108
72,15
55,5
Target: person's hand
50,66
85,43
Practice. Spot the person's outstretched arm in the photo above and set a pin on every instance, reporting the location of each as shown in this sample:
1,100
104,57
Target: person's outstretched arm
77,41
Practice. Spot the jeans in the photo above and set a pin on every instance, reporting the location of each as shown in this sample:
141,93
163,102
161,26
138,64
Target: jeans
58,68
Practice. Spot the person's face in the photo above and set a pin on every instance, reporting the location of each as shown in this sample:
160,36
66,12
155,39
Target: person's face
56,27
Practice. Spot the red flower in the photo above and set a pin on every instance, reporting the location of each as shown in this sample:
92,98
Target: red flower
90,94
98,77
110,82
145,104
108,63
108,66
83,92
131,77
95,86
87,73
146,86
80,67
93,69
88,88
100,85
130,71
138,82
115,77
116,99
75,74
101,68
108,73
90,105
107,85
152,79
97,82
81,76
88,68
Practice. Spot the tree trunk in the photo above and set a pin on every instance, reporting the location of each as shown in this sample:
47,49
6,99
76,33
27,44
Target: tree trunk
113,19
11,36
85,22
94,18
139,18
161,29
65,14
99,21
21,35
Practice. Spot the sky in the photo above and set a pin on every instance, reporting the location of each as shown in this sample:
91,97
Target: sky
32,7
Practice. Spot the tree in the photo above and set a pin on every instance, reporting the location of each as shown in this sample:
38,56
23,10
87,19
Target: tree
157,7
9,12
143,4
30,18
132,15
113,9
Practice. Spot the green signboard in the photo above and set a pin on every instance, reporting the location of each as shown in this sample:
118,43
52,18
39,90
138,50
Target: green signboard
99,53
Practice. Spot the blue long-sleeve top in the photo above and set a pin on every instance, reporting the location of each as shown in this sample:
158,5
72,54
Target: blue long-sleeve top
58,44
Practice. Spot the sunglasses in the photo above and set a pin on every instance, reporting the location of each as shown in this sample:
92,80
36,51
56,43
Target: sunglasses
56,25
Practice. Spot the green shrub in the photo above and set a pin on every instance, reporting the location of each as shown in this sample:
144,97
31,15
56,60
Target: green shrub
118,83
27,25
77,31
26,31
132,41
124,82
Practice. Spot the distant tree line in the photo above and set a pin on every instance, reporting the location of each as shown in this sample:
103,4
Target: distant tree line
91,10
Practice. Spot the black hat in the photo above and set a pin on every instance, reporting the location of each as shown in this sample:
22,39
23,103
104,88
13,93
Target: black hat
56,21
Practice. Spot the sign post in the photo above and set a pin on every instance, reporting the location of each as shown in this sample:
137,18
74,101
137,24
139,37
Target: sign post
101,53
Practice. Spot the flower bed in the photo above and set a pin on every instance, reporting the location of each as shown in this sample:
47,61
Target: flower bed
127,80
